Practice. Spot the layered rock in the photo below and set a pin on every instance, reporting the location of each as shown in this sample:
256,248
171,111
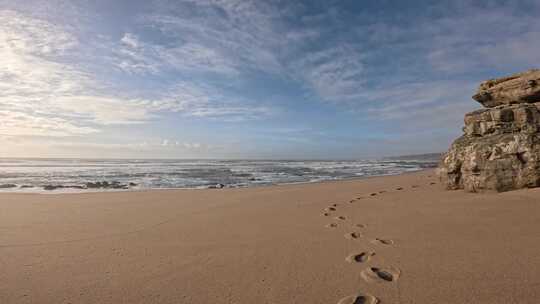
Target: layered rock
503,119
519,88
500,147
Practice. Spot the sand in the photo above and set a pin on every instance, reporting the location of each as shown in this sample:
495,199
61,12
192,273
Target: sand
333,242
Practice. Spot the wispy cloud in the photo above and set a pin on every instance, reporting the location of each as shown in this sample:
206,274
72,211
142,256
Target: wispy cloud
480,38
206,101
19,123
335,74
62,147
439,61
220,36
241,37
136,56
43,93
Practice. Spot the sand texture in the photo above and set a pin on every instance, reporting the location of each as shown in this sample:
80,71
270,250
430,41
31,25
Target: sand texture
361,241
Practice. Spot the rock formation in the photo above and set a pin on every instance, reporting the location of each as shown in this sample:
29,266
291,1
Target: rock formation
519,88
500,147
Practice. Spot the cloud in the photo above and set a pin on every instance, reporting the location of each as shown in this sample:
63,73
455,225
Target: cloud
499,37
136,56
130,40
459,37
43,92
433,65
219,36
18,123
69,147
194,146
206,101
246,37
335,74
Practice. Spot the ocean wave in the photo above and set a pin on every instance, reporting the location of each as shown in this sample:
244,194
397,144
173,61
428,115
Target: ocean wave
61,175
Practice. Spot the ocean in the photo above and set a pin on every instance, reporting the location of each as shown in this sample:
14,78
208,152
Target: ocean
91,175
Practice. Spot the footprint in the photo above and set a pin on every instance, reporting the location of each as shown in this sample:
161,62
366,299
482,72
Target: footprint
359,198
359,299
415,186
326,214
351,201
432,183
331,225
359,257
376,274
360,225
399,188
373,194
353,235
329,209
383,191
383,241
341,218
334,205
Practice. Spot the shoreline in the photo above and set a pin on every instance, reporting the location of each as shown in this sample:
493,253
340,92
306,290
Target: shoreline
87,191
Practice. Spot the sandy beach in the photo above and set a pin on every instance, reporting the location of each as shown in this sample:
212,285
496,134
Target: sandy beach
269,152
277,244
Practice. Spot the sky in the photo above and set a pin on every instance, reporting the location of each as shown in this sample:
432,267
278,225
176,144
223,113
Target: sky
250,78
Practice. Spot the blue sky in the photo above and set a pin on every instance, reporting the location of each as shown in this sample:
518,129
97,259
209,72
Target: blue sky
250,79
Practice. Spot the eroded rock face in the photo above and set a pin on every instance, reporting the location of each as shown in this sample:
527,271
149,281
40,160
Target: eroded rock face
499,162
500,147
503,119
519,88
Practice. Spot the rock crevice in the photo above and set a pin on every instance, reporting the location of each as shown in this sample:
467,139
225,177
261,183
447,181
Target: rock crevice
500,147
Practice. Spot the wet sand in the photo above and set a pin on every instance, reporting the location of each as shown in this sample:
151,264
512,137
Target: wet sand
332,242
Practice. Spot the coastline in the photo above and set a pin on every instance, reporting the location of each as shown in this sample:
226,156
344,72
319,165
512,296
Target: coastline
83,175
137,190
272,244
